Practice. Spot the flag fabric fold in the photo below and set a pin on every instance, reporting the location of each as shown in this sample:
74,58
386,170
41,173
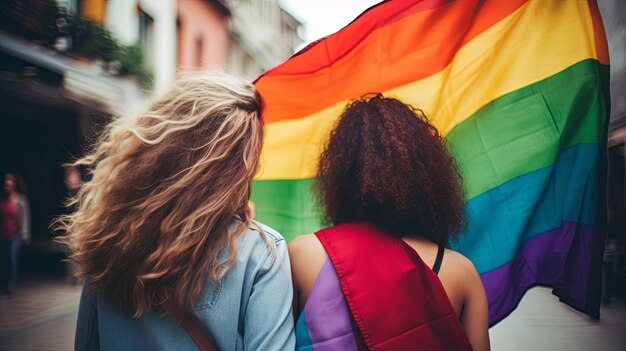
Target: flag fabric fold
520,91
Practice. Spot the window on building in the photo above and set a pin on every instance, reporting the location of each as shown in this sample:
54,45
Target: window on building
199,52
179,43
146,37
70,6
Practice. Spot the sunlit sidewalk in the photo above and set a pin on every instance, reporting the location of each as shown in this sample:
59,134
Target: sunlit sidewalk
541,322
42,316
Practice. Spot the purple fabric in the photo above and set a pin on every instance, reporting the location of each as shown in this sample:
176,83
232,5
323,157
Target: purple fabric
326,313
542,260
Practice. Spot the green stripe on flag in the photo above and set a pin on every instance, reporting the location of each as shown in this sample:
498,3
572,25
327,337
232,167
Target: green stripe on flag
524,130
287,206
515,134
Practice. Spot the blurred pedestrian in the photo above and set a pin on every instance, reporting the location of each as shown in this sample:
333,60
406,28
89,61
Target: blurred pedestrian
162,232
381,276
14,229
73,179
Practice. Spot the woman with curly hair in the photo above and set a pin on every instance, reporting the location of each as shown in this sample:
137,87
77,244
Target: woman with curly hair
380,277
162,232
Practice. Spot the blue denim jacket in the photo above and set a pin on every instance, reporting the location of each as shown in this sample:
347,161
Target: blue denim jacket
249,310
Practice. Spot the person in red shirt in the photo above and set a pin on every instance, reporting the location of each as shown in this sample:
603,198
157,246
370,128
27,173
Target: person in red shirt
14,230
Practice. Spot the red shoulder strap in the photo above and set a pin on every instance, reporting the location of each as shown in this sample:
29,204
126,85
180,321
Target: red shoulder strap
396,300
200,338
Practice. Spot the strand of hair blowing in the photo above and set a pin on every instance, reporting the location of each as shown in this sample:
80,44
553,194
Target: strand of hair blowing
164,191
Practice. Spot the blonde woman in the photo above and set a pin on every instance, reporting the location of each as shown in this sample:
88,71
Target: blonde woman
162,231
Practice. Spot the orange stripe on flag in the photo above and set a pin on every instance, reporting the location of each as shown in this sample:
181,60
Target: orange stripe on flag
341,43
368,66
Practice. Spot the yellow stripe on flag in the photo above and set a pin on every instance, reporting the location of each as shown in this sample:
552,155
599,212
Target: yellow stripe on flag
538,40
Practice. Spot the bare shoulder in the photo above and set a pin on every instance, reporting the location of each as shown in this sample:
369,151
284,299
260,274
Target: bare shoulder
307,256
461,268
474,309
306,252
306,244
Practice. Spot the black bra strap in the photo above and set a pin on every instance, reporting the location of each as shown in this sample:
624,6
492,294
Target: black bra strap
439,259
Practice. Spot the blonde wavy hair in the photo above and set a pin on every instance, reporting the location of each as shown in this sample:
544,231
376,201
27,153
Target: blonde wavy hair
165,189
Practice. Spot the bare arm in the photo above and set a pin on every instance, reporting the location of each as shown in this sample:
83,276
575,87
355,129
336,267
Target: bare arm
307,256
475,315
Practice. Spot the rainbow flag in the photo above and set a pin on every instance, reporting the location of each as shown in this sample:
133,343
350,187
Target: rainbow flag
520,90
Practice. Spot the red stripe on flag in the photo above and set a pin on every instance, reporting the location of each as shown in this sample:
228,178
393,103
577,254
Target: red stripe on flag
425,42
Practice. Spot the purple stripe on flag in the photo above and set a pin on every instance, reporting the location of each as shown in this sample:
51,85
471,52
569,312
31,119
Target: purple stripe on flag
326,313
560,258
581,278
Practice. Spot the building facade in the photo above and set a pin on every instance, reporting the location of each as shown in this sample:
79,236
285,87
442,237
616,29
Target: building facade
202,35
263,34
59,85
151,24
242,37
58,90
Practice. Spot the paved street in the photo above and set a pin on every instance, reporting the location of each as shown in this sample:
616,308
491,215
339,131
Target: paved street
42,315
541,323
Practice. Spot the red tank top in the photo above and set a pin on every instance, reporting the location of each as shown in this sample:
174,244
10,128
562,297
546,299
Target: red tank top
396,300
8,219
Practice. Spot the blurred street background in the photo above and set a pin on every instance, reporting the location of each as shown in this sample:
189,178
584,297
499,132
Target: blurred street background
68,66
42,316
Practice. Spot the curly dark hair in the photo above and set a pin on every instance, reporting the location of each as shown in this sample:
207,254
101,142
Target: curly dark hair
387,165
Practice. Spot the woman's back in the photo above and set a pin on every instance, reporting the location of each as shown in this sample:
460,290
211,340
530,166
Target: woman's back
249,298
315,281
455,272
385,165
163,229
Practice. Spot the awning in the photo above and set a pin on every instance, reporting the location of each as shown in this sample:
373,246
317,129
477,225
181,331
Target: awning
79,82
